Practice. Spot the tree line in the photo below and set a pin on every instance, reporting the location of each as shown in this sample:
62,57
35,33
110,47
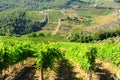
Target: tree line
100,35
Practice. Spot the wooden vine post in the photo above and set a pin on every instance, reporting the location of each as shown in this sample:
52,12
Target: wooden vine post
42,75
0,73
90,69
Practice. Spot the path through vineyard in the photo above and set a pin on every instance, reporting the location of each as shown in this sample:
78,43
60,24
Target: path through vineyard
27,73
21,71
57,28
65,71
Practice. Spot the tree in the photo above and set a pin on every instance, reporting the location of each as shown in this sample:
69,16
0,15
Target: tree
118,1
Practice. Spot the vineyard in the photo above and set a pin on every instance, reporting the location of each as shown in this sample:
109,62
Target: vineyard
49,56
54,15
36,17
59,40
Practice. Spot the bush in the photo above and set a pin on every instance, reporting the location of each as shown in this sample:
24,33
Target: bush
100,35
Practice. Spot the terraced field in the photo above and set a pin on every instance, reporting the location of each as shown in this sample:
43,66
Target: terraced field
55,15
84,16
107,26
50,26
35,15
92,12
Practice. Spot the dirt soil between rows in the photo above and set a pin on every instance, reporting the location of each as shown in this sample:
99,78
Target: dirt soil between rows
64,71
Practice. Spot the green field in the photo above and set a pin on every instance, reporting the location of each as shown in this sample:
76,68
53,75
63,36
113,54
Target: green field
9,14
92,12
55,15
50,26
35,15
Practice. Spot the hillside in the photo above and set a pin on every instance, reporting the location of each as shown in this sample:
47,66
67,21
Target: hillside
34,4
47,4
19,22
64,21
68,18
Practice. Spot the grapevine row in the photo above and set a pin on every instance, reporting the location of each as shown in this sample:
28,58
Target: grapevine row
47,54
12,53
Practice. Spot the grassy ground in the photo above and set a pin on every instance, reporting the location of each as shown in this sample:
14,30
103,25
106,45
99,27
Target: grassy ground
55,15
92,12
35,15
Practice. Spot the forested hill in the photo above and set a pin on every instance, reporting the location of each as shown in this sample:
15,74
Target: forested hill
45,4
33,4
19,22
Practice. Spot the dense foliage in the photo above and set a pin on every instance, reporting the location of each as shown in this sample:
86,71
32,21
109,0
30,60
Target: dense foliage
78,52
15,22
110,51
117,1
46,4
11,53
81,54
35,4
100,35
49,54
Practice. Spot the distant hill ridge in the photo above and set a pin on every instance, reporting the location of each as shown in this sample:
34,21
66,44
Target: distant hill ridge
47,4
